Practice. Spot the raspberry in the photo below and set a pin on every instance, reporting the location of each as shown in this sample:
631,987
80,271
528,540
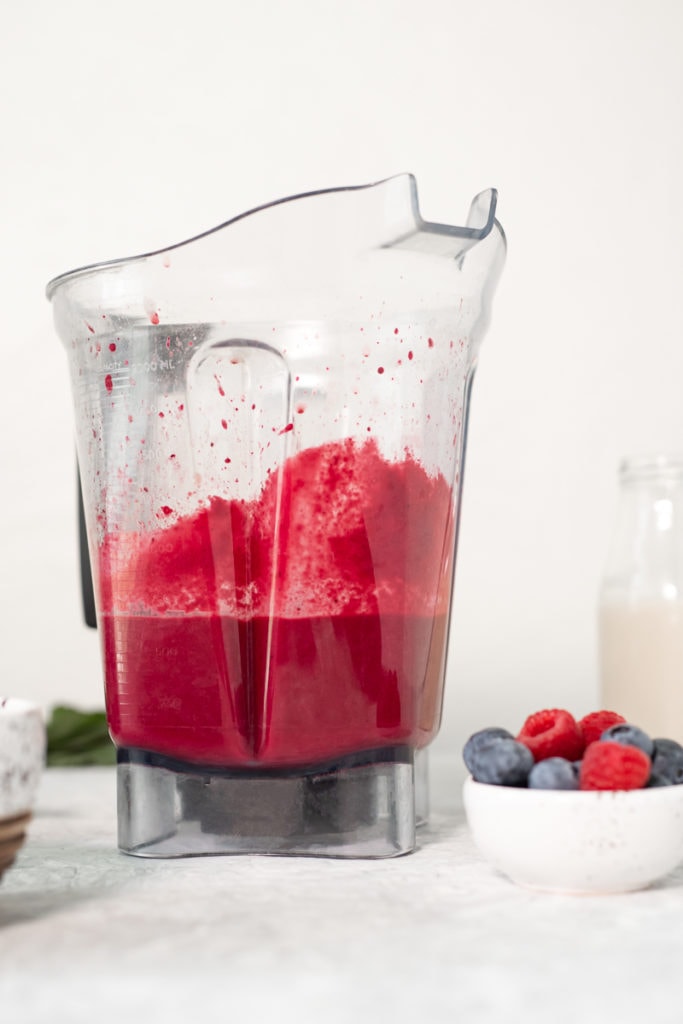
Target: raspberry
592,726
608,765
552,733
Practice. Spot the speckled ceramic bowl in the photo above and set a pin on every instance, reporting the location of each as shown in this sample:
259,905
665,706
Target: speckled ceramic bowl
22,754
577,842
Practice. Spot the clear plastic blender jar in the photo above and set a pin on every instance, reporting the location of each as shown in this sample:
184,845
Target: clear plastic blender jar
271,423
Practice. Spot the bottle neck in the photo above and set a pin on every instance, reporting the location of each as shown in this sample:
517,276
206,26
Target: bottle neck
654,470
645,559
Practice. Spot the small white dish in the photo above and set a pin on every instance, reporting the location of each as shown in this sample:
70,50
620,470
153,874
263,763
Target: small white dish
577,841
22,755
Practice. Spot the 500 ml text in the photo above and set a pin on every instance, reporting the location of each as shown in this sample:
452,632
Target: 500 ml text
152,366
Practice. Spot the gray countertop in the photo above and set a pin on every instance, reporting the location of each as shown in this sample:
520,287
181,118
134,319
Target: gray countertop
88,934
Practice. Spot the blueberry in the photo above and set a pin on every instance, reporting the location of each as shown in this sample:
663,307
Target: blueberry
481,738
656,780
501,762
554,773
630,736
667,761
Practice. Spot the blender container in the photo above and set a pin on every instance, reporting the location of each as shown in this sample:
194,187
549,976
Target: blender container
271,422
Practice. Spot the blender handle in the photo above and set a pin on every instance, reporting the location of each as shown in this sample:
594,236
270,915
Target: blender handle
87,590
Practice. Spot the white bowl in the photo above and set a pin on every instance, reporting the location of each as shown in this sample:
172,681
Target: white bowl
577,841
22,755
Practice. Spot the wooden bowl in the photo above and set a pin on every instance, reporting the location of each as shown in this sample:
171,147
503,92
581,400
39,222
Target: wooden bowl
12,834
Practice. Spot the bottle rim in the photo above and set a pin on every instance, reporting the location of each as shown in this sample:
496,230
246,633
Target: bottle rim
648,467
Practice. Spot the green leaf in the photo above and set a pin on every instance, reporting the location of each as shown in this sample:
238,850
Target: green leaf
78,738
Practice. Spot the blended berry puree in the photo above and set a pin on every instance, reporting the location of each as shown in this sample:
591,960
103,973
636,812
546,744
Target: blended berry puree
301,626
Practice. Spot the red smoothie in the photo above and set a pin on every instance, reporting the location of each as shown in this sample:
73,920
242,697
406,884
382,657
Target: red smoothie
293,629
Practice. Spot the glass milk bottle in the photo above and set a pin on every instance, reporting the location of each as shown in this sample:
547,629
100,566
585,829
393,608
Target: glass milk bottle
641,598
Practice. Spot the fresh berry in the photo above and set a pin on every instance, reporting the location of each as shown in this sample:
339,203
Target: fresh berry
552,733
667,761
656,781
554,773
481,739
610,765
501,762
592,726
631,735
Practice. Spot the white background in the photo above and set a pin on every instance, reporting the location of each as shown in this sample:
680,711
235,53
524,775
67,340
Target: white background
128,126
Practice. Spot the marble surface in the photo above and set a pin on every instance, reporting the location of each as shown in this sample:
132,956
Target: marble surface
90,935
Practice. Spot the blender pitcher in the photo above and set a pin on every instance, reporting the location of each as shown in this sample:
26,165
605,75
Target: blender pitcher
271,423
